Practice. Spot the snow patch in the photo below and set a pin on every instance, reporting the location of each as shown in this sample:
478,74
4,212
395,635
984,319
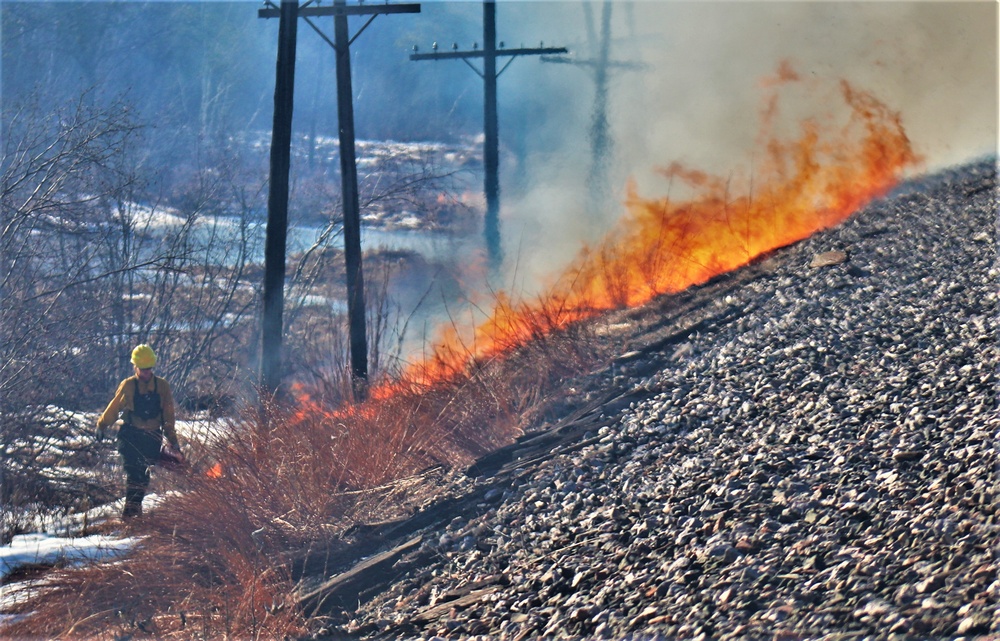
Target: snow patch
47,549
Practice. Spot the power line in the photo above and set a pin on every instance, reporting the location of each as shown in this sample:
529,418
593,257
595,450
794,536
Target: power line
600,138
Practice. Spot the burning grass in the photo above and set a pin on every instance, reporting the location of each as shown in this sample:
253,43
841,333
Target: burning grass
216,560
816,180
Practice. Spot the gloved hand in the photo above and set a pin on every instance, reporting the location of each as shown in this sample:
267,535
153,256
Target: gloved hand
171,457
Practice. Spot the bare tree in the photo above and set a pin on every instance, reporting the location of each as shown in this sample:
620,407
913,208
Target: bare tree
90,264
57,167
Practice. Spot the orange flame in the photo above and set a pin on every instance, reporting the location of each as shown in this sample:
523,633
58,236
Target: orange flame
660,246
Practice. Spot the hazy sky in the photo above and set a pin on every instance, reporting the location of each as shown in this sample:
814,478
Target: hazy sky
696,99
699,100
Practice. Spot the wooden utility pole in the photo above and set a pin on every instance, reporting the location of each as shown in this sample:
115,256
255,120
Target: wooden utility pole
601,144
491,136
491,150
277,201
341,44
349,196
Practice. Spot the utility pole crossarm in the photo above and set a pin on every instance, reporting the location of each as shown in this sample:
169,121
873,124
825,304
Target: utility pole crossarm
582,62
479,53
342,10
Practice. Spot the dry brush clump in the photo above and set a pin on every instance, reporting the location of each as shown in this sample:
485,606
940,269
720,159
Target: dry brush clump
217,558
212,560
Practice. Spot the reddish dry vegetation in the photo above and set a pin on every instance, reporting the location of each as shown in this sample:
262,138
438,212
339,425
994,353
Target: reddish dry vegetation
217,559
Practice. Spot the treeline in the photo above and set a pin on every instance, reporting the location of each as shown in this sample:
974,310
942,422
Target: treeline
89,264
198,71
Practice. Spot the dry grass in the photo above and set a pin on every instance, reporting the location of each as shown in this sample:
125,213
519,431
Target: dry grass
215,560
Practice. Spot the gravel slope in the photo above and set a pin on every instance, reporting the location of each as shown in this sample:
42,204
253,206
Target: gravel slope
821,466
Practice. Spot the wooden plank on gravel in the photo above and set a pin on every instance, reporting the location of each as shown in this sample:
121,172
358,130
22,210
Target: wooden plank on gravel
346,586
506,457
442,609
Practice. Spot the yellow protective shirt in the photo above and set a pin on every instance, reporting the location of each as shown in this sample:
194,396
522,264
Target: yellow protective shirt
123,404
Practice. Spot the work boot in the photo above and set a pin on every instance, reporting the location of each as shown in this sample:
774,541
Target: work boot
133,501
131,511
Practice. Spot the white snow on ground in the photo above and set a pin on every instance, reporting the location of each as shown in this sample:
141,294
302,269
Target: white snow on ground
57,545
49,549
201,430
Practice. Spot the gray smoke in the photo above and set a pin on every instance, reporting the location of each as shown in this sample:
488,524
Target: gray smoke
699,99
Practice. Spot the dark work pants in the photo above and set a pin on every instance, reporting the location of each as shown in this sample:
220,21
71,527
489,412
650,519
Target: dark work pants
139,450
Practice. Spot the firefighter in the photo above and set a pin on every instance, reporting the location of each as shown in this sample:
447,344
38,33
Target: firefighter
146,408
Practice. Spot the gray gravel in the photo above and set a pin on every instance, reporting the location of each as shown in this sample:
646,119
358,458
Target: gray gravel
823,466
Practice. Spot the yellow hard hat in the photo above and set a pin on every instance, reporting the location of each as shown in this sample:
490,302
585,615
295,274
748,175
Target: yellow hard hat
143,357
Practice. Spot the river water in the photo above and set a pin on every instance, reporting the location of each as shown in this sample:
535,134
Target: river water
222,238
